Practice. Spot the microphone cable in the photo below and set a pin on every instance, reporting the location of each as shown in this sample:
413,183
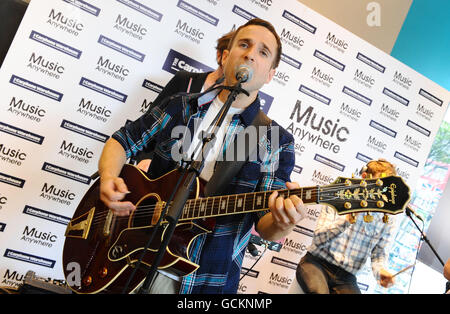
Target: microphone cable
249,269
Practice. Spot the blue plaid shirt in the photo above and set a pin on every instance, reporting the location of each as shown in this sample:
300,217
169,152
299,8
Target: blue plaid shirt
219,253
349,245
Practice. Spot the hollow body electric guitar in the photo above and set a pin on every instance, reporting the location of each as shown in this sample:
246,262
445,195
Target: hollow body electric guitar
101,249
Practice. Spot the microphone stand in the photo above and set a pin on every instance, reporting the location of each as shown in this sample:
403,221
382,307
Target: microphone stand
192,171
189,97
408,213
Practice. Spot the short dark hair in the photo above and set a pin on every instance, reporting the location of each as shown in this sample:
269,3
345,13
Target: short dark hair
269,26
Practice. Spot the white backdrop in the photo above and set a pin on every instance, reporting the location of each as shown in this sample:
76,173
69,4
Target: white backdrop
78,70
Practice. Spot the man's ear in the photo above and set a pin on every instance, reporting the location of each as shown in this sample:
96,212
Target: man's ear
270,75
225,55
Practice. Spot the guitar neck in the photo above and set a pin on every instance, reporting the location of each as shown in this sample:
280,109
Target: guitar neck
241,203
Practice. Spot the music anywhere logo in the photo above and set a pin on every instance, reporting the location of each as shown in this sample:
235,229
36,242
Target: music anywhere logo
319,126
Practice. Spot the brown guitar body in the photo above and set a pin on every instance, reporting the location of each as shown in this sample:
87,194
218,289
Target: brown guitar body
100,250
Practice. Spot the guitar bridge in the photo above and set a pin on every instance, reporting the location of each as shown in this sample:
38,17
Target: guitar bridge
79,227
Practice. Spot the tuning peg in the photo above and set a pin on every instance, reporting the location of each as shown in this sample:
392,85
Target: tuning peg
380,204
363,183
368,217
352,219
379,182
370,176
385,219
363,203
353,175
347,205
348,182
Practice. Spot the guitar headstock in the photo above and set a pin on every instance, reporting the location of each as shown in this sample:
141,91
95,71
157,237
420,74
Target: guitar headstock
388,195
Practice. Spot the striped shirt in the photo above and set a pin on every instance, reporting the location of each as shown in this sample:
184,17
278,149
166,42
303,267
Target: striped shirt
219,253
349,245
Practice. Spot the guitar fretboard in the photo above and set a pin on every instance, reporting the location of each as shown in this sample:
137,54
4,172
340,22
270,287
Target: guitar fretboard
241,203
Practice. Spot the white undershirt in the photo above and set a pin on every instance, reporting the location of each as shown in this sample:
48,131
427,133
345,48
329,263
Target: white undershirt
210,159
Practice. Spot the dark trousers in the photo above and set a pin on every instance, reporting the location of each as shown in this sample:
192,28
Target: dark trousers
317,276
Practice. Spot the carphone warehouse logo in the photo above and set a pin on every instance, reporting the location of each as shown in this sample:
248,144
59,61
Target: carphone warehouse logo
14,181
102,89
77,128
299,22
430,97
36,88
406,159
141,8
121,48
176,61
43,214
198,13
83,5
243,13
66,173
23,134
370,62
55,44
29,258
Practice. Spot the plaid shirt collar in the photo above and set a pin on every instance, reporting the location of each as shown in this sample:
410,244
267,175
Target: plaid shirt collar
246,116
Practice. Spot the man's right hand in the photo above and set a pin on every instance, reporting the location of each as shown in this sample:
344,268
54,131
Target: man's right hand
112,191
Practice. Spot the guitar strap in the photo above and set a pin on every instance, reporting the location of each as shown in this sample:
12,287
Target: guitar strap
226,170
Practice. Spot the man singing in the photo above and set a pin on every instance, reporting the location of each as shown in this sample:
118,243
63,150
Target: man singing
257,46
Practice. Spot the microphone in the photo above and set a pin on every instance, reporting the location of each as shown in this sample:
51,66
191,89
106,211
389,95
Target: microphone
244,73
409,210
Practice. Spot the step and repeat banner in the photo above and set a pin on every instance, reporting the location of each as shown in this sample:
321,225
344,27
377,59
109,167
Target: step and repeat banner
78,70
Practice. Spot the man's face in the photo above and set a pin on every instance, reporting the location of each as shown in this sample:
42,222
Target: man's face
254,46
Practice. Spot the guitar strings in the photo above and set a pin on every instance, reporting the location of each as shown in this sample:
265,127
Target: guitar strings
143,211
232,201
200,200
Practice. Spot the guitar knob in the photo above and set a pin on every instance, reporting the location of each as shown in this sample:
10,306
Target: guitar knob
368,218
352,218
87,280
103,272
380,204
385,219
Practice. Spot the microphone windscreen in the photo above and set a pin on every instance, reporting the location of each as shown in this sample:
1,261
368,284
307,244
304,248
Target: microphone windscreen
244,73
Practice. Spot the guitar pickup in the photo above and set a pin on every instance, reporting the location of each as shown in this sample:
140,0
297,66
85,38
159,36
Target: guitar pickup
79,227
